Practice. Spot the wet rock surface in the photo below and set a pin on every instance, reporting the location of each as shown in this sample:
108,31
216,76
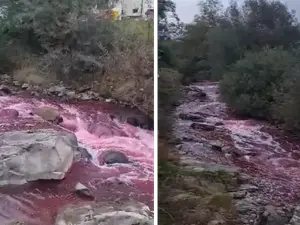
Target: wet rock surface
113,157
48,114
82,154
29,156
41,180
83,191
209,139
106,213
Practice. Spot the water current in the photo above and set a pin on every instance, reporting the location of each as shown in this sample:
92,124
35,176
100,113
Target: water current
38,202
258,149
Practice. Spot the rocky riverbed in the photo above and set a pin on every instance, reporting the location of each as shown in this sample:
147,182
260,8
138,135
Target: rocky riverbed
71,157
264,160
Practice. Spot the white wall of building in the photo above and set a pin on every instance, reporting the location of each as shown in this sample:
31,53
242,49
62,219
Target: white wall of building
129,6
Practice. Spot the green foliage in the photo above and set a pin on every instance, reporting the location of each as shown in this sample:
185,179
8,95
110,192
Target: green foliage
51,22
218,38
287,108
67,31
251,48
72,42
168,95
250,84
137,29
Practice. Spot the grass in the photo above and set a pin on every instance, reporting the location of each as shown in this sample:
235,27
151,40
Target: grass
189,197
137,28
33,76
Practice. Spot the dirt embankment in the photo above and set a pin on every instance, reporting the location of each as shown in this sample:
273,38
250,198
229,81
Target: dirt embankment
28,82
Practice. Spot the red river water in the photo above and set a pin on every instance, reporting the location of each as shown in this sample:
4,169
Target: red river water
262,151
38,202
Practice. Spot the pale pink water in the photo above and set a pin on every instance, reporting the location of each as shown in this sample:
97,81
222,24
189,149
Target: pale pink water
269,156
38,202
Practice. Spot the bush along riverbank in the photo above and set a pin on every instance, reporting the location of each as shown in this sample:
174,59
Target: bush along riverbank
59,45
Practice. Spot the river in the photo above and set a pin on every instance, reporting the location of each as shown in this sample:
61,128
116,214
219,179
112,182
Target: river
258,149
38,202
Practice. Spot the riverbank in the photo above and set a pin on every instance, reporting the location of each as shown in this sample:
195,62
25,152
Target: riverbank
261,166
109,161
65,93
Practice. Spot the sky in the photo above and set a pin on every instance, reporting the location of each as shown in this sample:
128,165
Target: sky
186,9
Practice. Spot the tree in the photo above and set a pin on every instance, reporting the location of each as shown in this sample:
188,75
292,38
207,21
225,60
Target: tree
250,85
52,23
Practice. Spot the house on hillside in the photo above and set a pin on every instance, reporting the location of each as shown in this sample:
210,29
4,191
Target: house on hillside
134,8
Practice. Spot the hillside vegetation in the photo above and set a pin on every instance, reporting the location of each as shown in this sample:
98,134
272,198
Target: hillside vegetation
251,48
53,41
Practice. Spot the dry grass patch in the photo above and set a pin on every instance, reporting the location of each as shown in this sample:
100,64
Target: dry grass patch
129,76
188,197
33,76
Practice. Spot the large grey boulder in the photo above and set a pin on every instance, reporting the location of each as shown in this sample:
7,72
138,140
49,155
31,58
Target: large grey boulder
295,220
106,213
29,156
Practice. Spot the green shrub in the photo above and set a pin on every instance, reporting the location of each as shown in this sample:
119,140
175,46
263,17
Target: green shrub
250,85
287,107
140,29
168,95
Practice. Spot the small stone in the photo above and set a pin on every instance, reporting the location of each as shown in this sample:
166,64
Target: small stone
71,94
57,90
49,114
25,86
217,222
82,190
112,157
244,178
219,124
84,88
35,93
249,187
239,194
216,145
86,96
82,153
5,77
192,117
5,89
202,126
16,83
108,100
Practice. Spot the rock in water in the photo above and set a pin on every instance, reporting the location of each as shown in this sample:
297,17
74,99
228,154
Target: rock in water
49,114
25,86
5,89
82,153
106,213
192,117
216,145
140,121
202,126
82,190
40,155
112,157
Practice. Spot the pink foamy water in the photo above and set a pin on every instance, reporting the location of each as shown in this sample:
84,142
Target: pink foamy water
38,202
270,157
